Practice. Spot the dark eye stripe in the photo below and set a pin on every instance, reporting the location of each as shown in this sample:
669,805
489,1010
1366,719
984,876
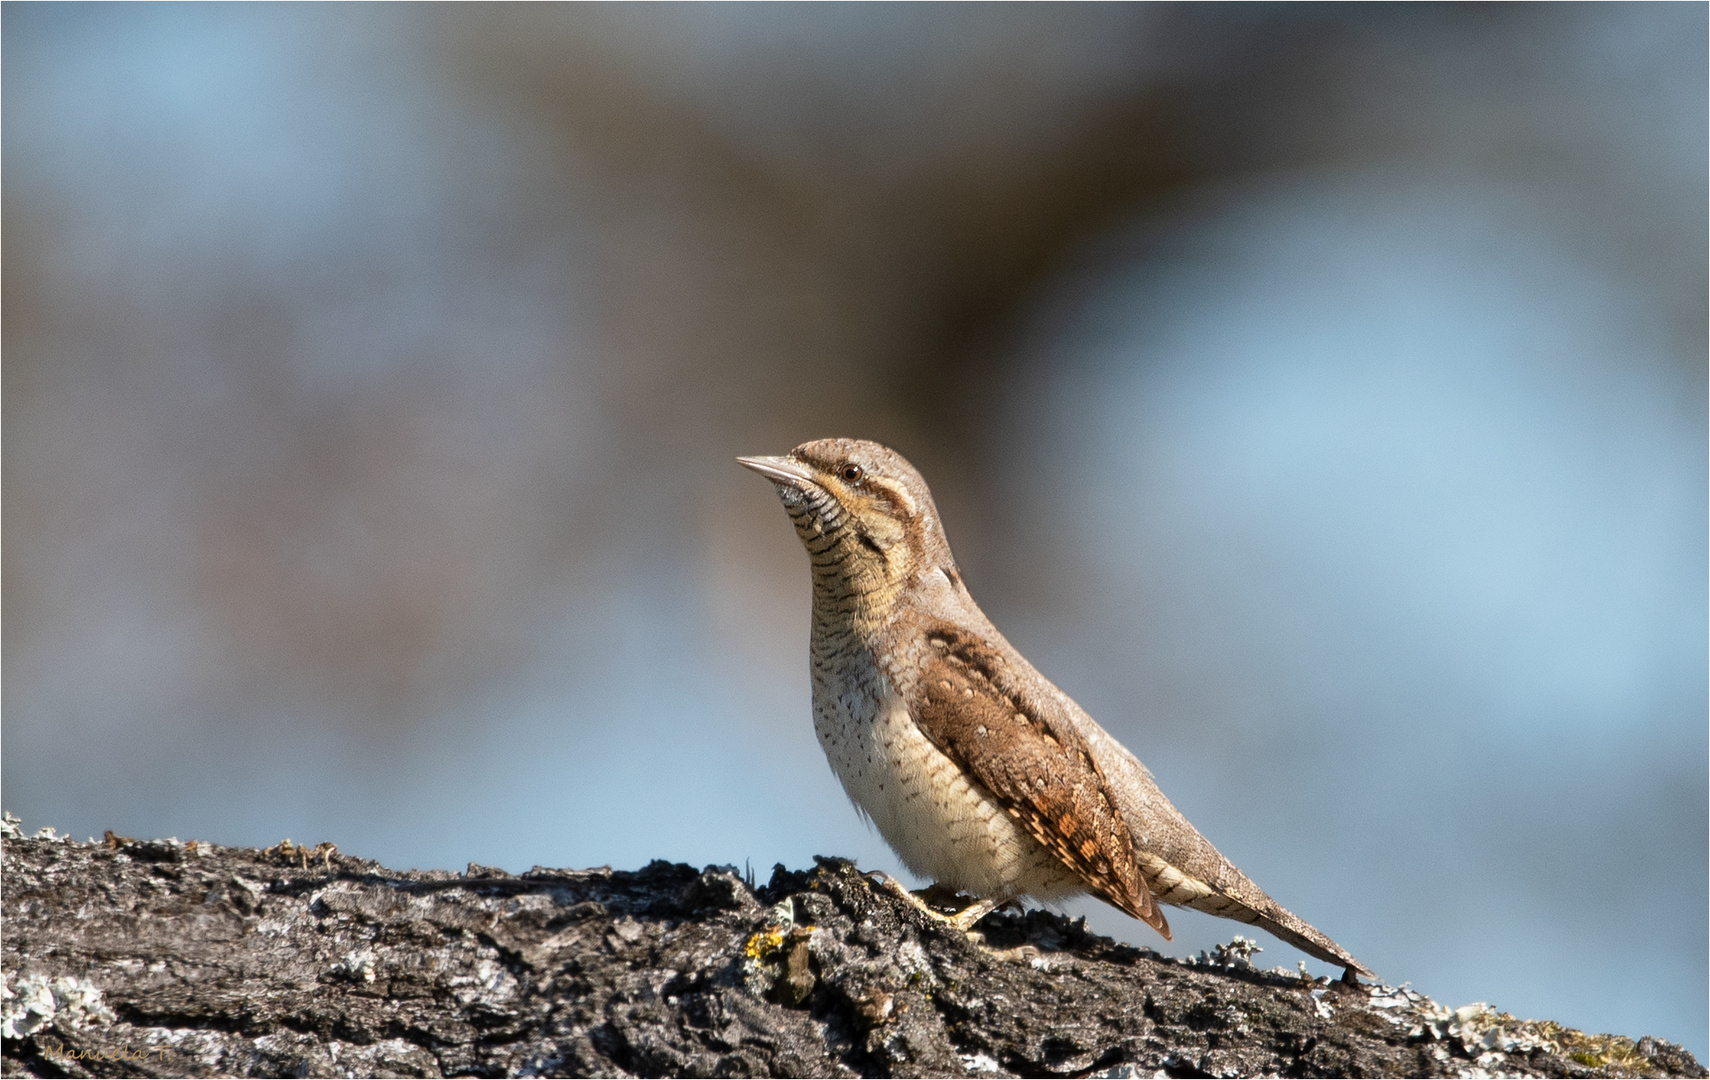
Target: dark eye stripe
891,494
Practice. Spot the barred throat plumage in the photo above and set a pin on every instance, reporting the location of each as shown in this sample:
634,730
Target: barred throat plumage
977,770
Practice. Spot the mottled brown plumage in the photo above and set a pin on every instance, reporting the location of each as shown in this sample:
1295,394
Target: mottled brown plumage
972,708
977,770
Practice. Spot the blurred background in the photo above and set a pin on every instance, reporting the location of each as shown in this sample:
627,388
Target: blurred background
1315,393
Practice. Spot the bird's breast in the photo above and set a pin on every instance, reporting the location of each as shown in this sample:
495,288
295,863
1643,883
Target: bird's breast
940,822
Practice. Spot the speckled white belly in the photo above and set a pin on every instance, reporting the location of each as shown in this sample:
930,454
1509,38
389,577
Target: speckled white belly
940,824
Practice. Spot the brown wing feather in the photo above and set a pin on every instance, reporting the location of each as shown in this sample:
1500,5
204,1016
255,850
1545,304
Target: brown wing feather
1036,765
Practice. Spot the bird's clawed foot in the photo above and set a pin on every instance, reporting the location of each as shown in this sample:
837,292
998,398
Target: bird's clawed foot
924,900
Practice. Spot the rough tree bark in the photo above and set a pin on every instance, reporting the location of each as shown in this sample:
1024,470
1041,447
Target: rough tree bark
158,958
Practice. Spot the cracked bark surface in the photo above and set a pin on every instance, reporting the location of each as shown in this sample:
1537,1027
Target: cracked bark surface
155,958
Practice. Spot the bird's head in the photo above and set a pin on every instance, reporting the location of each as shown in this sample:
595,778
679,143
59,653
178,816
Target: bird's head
863,512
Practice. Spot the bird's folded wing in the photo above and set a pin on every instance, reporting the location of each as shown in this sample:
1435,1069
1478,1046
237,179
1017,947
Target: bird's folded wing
1034,762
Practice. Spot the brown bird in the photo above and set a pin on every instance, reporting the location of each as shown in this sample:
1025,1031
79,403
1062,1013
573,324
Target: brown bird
977,770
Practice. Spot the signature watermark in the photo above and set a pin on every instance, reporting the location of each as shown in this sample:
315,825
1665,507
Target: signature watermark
62,1055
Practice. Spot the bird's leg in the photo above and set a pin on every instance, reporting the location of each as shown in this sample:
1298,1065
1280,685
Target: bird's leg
902,892
963,920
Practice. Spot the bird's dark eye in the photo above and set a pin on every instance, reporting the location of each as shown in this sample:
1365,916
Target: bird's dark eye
851,473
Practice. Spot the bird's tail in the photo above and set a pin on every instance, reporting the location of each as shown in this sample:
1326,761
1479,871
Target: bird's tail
1283,923
1236,897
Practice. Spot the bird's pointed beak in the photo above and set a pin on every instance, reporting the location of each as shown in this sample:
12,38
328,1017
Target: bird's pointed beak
779,470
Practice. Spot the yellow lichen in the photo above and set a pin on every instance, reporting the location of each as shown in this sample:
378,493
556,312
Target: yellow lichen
1602,1051
763,944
